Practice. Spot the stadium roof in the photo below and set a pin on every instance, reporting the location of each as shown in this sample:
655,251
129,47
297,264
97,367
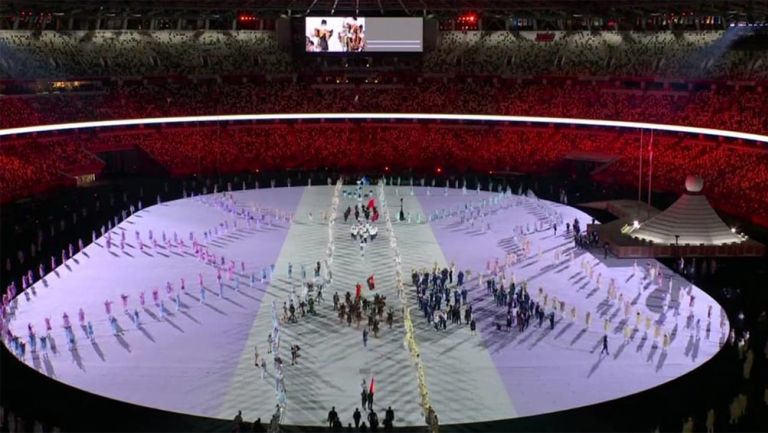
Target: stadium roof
748,9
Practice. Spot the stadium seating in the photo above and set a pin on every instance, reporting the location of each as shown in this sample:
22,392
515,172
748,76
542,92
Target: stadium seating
688,54
737,110
461,59
733,175
656,54
81,54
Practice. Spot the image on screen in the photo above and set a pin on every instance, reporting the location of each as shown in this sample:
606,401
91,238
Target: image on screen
361,34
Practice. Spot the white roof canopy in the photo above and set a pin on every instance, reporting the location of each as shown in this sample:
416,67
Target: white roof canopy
691,218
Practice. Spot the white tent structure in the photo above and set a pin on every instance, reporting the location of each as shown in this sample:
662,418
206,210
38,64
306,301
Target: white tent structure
690,220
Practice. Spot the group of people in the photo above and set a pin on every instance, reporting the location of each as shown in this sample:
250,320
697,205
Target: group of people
304,303
523,308
363,228
311,293
435,287
369,212
364,231
349,31
372,418
226,271
358,307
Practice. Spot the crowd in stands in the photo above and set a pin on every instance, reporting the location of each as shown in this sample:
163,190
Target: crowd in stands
689,54
34,167
657,54
50,54
730,109
733,175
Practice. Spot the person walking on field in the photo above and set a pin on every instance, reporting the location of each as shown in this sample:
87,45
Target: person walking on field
332,417
356,417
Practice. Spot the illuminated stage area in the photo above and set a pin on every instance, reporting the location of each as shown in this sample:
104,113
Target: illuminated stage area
199,359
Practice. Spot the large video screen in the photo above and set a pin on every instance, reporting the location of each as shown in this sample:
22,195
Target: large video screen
363,34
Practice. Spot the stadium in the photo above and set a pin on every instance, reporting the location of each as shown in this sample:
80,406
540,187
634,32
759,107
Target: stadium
395,215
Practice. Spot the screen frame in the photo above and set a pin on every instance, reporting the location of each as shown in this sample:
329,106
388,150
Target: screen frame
303,33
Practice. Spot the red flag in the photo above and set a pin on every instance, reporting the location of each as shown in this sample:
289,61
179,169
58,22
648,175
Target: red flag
372,388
